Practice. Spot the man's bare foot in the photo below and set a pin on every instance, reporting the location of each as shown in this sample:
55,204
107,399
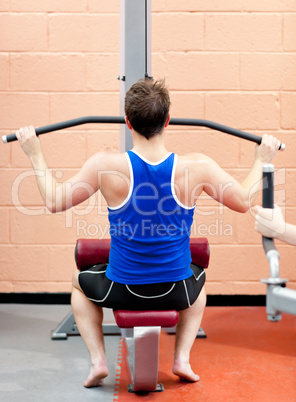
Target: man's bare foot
98,372
183,370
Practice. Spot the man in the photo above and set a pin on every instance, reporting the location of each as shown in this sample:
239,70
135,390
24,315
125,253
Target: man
151,195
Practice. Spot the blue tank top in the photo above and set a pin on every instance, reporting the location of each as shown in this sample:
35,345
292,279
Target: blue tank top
150,230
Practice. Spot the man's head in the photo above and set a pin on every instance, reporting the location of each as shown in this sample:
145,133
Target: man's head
147,105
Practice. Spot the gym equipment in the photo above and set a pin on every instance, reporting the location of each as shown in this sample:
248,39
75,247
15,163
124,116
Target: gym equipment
140,329
279,298
135,63
135,53
118,119
85,256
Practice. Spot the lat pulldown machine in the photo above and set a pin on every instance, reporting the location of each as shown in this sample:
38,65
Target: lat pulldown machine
135,63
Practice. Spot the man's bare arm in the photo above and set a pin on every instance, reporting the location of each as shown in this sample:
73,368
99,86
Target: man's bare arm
225,189
59,196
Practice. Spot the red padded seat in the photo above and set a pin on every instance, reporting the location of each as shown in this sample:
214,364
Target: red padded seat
130,319
90,252
200,251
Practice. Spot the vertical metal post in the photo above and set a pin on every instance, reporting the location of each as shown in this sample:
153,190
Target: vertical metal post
135,53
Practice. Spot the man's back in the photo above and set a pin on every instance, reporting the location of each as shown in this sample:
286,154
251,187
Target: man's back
113,171
150,229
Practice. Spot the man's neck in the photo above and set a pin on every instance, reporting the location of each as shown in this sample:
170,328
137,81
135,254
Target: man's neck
153,149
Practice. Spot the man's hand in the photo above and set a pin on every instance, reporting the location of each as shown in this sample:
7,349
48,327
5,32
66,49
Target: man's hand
29,141
268,148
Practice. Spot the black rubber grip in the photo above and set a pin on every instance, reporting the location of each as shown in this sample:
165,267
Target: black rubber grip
268,202
268,244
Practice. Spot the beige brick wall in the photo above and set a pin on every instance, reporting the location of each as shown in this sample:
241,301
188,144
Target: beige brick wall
230,61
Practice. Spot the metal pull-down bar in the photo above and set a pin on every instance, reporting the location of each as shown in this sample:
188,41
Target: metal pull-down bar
120,120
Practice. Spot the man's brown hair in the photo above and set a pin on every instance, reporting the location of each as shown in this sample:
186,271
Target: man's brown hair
147,105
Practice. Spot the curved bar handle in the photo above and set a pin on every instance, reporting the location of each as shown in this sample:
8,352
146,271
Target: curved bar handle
69,123
220,127
121,120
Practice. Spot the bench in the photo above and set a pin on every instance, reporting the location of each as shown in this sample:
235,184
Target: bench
140,329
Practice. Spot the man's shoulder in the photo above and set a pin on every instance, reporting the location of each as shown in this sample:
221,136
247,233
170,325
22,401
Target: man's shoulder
109,160
193,158
196,163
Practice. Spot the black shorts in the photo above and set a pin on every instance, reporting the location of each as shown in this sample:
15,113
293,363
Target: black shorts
157,296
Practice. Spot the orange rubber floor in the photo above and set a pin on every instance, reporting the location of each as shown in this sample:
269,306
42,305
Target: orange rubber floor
244,358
